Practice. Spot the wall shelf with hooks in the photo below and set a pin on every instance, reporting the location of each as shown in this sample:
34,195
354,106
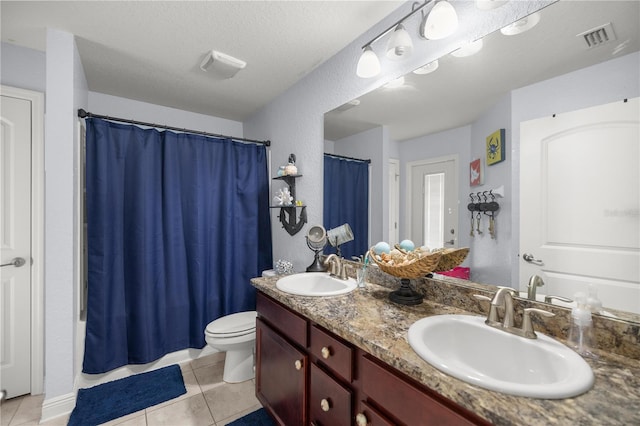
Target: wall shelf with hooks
291,222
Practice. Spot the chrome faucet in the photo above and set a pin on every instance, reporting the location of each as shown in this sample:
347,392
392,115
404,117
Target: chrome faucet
503,299
336,268
534,282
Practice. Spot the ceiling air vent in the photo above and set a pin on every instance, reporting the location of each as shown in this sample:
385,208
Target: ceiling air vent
598,36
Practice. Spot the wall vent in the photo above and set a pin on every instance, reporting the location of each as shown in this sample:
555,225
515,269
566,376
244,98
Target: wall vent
598,36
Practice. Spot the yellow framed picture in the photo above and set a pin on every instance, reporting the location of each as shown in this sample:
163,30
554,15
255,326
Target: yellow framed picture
495,147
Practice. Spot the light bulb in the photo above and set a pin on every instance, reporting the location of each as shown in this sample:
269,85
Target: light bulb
368,64
400,44
441,22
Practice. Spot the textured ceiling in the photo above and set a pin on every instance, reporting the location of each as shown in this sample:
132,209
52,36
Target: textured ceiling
151,50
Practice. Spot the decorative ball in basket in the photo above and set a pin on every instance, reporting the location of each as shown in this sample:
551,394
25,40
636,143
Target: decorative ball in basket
414,264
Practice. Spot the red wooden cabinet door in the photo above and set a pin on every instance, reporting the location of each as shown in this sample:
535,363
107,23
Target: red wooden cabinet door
281,374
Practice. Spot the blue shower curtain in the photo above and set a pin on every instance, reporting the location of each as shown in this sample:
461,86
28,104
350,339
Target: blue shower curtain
177,226
346,200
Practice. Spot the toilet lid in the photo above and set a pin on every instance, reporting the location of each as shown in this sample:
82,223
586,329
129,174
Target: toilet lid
239,323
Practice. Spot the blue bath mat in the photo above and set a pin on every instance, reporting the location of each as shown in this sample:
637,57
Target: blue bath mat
257,418
111,400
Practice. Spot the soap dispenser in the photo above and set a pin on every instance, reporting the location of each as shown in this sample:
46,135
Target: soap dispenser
581,337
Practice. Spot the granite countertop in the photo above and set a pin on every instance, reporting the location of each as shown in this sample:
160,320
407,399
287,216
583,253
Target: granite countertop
367,319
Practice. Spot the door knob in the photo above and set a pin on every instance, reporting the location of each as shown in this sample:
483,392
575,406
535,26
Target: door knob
531,259
298,364
17,262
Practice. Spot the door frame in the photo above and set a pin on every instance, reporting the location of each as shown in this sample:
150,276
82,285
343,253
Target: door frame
394,208
37,231
408,174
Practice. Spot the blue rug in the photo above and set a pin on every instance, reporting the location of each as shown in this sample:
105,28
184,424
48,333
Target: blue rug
111,400
257,418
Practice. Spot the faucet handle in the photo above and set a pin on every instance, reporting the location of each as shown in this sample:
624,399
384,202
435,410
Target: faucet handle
549,299
482,297
492,315
344,271
527,325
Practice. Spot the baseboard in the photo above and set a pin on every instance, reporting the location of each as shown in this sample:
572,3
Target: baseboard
58,406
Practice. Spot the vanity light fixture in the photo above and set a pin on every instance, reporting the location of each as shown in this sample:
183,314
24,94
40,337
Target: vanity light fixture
522,25
428,68
369,64
400,44
441,22
468,49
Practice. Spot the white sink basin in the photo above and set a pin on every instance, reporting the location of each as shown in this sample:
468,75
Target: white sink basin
315,284
464,347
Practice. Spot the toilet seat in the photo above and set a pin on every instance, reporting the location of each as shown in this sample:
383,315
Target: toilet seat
234,325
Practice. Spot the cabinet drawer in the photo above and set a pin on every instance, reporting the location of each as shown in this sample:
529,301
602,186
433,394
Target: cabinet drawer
289,323
329,401
407,404
332,352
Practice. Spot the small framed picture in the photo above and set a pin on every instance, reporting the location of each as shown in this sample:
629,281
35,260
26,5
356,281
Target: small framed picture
495,147
476,174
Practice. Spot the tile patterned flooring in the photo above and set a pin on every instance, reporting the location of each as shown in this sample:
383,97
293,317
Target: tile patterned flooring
208,402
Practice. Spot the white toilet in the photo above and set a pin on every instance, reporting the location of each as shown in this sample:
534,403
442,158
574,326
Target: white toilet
234,334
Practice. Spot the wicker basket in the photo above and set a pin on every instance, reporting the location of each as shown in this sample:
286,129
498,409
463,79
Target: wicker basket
413,269
451,258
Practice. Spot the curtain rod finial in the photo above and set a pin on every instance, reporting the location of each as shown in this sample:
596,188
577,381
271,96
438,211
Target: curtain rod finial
82,113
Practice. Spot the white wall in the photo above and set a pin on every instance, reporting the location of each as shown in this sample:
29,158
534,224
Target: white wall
294,121
491,259
115,106
22,68
62,76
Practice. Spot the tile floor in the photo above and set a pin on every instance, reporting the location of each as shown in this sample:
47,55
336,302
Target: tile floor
208,402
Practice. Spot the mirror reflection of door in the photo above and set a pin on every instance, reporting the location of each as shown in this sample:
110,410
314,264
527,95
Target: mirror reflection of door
433,199
394,201
580,202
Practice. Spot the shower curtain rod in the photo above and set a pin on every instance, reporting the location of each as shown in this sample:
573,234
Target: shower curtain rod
84,114
368,161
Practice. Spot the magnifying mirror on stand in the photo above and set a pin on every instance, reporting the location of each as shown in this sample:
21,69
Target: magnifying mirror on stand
338,236
316,240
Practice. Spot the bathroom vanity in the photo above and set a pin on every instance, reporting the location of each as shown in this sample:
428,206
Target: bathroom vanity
345,360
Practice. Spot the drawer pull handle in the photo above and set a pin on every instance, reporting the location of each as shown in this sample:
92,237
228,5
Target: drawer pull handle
325,405
298,364
326,352
361,419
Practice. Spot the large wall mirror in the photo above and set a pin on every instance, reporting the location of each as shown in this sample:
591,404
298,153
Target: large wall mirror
446,115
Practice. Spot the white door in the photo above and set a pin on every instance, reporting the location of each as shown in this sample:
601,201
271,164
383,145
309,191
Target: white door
580,206
15,237
434,202
394,201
